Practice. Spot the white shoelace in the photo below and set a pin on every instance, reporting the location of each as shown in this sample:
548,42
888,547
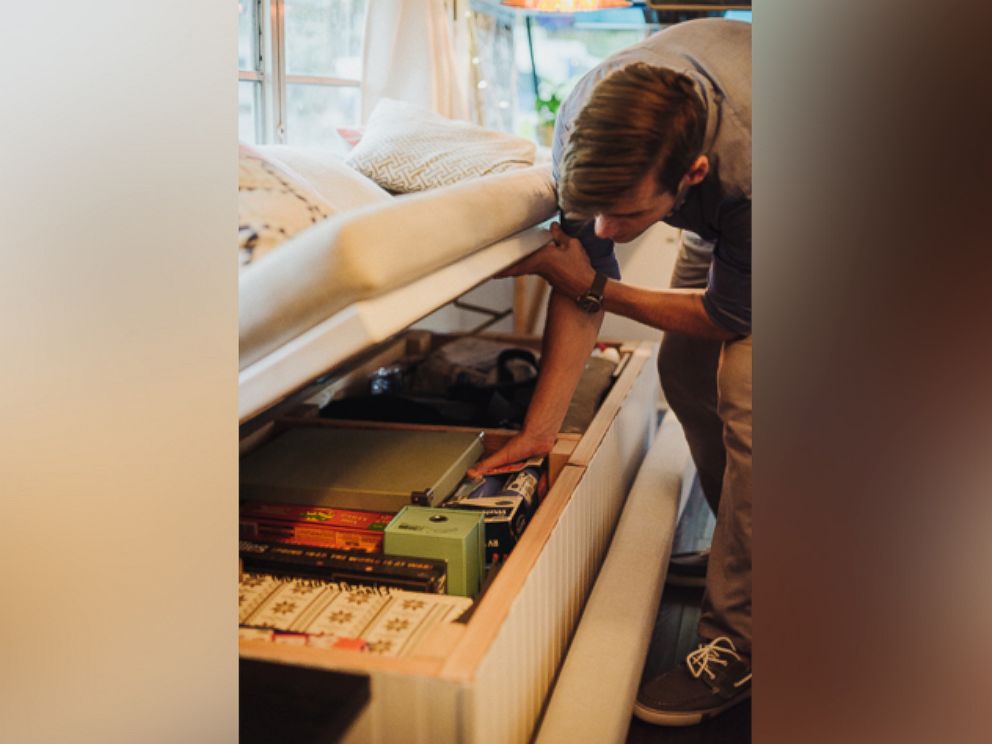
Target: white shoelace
699,660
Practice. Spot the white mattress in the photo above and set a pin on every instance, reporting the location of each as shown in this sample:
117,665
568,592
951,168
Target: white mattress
362,276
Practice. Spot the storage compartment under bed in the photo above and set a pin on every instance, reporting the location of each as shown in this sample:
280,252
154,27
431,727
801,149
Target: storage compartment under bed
592,462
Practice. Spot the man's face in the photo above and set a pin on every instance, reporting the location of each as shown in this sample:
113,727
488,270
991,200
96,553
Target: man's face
635,212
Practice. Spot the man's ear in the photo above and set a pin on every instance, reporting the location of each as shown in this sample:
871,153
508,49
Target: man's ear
697,171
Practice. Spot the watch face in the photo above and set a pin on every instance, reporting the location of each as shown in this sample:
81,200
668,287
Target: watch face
590,303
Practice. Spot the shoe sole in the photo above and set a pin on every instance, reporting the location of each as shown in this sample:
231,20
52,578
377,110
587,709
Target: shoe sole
675,718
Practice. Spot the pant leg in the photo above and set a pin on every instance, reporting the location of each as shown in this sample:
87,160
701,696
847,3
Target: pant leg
688,371
708,386
726,608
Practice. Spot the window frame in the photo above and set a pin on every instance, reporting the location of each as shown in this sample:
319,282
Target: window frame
270,73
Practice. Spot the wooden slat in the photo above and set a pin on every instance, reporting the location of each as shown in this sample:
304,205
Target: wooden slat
519,304
253,439
517,339
336,659
527,303
304,411
558,458
537,299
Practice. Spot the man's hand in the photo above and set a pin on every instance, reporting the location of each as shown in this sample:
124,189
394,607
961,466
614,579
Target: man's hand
519,448
562,262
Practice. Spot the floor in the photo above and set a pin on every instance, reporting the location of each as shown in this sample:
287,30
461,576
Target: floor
675,635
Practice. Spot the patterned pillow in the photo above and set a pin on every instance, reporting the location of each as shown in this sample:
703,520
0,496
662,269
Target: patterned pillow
273,205
405,148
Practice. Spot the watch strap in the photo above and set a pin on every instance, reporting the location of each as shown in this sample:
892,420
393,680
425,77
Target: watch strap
592,300
598,284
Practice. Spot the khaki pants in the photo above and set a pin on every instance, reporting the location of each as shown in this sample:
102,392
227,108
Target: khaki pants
708,386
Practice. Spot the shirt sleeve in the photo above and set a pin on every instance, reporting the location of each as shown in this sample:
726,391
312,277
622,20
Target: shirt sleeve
727,298
600,250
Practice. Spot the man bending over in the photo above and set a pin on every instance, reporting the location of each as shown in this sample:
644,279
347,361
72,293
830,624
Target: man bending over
662,131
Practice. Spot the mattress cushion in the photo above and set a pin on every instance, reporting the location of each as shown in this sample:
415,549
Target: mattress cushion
361,254
283,190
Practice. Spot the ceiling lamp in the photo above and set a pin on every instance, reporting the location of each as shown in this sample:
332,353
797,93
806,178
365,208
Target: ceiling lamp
566,6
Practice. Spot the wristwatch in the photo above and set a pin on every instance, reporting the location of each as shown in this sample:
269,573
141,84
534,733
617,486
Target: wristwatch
592,300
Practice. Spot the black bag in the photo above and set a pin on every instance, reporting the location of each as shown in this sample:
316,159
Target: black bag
468,400
504,403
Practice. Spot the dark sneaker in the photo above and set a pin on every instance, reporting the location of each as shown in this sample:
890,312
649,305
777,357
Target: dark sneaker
713,678
688,569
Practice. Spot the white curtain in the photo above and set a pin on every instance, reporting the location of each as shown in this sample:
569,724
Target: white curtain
409,55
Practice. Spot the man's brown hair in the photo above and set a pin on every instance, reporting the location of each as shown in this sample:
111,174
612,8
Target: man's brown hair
640,119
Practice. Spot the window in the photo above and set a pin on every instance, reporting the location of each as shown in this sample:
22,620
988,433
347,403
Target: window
300,64
528,61
554,51
249,72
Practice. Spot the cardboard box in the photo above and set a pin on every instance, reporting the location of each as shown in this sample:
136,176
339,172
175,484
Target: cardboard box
368,469
505,518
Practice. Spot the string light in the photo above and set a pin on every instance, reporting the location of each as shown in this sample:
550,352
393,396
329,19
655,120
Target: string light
566,6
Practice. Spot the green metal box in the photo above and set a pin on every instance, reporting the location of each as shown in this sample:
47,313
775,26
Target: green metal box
456,537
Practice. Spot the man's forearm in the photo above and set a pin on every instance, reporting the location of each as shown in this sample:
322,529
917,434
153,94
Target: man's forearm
569,337
676,310
564,265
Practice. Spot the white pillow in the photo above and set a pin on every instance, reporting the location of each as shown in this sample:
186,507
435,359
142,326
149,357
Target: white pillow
405,148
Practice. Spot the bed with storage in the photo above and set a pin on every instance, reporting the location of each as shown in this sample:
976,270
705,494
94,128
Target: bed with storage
484,678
